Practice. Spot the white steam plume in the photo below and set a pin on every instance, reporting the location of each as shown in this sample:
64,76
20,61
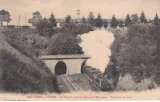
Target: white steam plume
97,44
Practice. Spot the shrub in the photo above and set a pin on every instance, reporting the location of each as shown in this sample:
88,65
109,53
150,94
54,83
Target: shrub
64,44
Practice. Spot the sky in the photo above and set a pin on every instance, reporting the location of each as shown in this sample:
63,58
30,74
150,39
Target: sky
61,8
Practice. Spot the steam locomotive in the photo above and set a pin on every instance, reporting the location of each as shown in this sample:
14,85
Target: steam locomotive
97,78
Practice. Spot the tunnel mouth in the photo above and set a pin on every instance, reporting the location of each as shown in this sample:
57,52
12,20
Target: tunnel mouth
60,68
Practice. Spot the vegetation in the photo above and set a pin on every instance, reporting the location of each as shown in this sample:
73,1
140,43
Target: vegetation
105,24
143,18
21,70
68,19
134,19
36,18
62,40
84,20
19,76
46,27
156,20
91,19
64,44
114,22
52,21
136,52
98,21
18,41
4,17
127,20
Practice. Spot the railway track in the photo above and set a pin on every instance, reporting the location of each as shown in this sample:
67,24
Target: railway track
66,83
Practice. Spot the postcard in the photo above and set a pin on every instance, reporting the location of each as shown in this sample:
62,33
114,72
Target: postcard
79,50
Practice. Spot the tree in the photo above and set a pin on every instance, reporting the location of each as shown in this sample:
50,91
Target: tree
52,21
105,24
36,18
52,24
83,20
114,22
91,19
156,20
120,23
134,19
143,18
43,27
68,24
4,17
68,19
98,21
127,20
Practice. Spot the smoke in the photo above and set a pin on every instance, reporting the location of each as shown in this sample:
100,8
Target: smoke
97,45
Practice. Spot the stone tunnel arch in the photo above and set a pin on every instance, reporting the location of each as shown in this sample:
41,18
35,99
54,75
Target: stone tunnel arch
60,68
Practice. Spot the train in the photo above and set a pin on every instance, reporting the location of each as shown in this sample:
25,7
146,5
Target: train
98,79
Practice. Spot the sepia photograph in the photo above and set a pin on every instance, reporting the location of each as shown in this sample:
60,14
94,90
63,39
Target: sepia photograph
79,50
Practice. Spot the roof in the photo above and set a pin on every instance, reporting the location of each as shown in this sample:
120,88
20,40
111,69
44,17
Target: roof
56,57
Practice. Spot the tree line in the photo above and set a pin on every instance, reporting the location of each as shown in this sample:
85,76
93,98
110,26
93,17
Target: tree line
97,21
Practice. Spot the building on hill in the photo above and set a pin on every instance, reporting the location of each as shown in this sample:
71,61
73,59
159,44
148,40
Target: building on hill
65,64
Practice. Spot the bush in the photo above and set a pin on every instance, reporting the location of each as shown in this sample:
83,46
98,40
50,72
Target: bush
73,28
28,41
64,44
18,41
127,83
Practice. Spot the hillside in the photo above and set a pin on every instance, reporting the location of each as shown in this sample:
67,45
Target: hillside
22,73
